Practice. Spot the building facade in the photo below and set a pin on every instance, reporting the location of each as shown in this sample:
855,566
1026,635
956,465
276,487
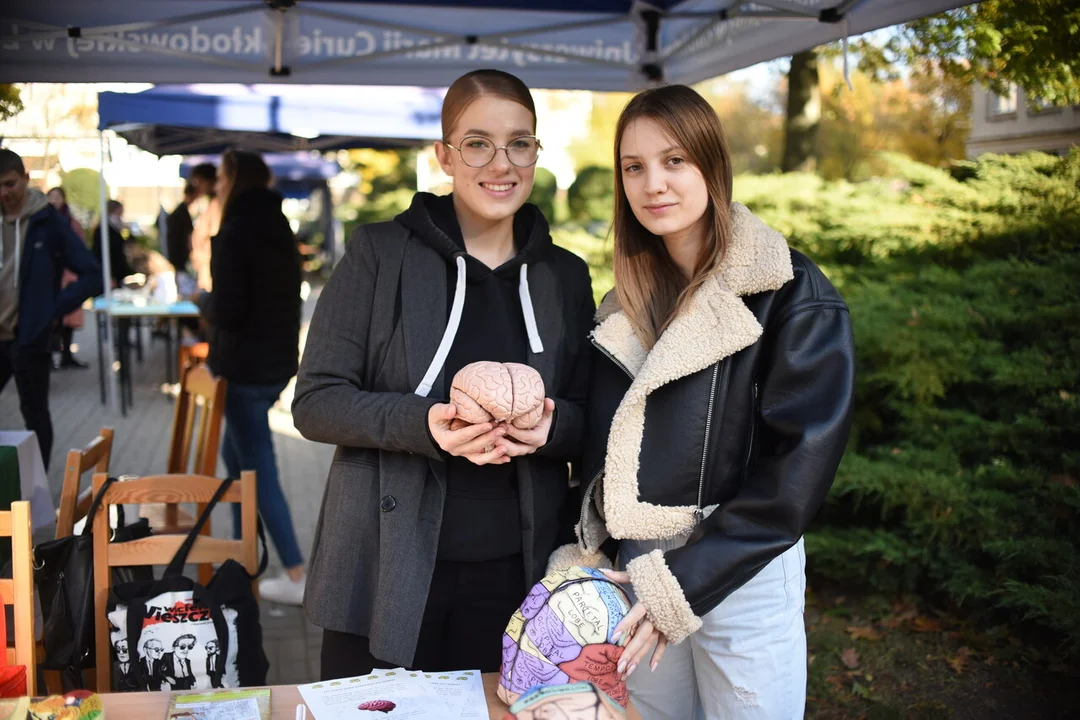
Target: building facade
1013,123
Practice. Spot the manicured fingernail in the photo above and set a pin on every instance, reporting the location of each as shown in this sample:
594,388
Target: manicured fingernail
621,667
630,670
615,637
652,666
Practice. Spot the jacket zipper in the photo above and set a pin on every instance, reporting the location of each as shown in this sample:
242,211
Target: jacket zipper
586,499
753,427
699,513
592,483
611,357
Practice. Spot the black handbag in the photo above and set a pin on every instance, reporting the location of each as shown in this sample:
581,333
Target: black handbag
64,575
175,634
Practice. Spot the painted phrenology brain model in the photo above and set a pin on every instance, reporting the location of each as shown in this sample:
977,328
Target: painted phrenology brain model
499,392
561,634
579,701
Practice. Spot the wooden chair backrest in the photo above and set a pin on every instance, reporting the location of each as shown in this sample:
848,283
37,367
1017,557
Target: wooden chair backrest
74,504
202,396
160,549
19,590
198,389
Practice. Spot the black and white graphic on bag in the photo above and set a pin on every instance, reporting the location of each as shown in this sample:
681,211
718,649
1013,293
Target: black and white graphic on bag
178,648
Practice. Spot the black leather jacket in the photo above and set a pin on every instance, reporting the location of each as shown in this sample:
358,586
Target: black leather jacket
731,427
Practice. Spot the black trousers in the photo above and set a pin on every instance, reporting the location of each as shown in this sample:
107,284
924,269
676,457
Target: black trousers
66,335
467,610
31,368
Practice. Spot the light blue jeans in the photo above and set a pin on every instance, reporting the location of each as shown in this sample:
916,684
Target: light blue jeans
748,660
249,445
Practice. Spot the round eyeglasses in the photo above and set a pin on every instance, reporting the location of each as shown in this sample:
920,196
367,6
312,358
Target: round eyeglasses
477,151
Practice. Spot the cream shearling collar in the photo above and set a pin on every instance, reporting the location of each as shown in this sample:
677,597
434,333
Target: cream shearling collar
715,325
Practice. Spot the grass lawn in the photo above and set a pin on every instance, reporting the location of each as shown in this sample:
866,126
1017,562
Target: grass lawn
882,659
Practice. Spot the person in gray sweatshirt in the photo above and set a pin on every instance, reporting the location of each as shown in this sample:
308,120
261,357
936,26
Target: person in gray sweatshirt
36,245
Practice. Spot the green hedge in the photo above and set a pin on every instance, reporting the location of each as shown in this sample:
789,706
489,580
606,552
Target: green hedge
591,197
543,193
962,478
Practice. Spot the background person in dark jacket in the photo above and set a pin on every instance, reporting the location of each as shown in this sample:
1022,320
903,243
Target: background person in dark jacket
253,315
119,266
178,231
73,320
36,245
180,224
427,543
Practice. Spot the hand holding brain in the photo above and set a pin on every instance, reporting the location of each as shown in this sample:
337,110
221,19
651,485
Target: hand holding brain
497,392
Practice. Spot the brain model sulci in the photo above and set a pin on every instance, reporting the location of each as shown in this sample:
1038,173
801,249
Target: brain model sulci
497,392
561,634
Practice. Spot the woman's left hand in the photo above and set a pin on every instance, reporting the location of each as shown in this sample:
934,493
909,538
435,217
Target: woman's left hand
643,639
525,442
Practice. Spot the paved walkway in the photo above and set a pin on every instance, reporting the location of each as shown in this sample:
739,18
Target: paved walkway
141,443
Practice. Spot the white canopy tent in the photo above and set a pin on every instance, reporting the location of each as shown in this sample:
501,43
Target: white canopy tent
568,44
585,44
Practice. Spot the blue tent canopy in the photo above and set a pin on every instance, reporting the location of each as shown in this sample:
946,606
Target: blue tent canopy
585,44
186,119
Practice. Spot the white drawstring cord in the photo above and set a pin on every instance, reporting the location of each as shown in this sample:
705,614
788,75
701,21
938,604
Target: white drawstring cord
527,309
456,310
449,334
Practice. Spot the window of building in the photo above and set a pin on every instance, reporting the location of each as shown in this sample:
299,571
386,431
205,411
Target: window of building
1043,107
1001,105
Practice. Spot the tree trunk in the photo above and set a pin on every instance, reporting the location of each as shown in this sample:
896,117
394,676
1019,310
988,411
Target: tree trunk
803,113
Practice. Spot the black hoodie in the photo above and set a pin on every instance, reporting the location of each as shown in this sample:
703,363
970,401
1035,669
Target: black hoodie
481,516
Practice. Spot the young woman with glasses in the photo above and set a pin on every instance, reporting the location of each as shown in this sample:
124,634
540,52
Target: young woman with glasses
430,535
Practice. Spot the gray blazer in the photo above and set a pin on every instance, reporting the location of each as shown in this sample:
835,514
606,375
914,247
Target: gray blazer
375,329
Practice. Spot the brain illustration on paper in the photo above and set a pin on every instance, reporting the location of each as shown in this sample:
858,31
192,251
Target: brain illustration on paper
383,706
562,634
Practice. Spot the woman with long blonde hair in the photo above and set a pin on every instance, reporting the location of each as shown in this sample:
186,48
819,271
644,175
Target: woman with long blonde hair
720,406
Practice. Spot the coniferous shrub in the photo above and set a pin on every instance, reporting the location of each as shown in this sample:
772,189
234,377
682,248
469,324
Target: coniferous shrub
591,197
961,479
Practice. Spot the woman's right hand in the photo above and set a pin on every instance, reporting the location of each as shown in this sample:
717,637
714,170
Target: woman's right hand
468,442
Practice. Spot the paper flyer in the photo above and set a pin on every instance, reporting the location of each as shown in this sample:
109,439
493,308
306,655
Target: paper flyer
233,710
247,704
399,693
463,690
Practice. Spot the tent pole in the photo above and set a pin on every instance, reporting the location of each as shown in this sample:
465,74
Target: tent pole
106,272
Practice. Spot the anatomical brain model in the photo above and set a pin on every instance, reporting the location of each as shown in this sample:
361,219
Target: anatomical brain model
497,392
561,635
578,701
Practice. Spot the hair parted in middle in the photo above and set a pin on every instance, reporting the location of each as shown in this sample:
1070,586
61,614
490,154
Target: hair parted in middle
650,287
478,83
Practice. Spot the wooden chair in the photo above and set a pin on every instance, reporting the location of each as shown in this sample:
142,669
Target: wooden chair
198,389
74,504
19,590
160,549
73,507
193,446
192,354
